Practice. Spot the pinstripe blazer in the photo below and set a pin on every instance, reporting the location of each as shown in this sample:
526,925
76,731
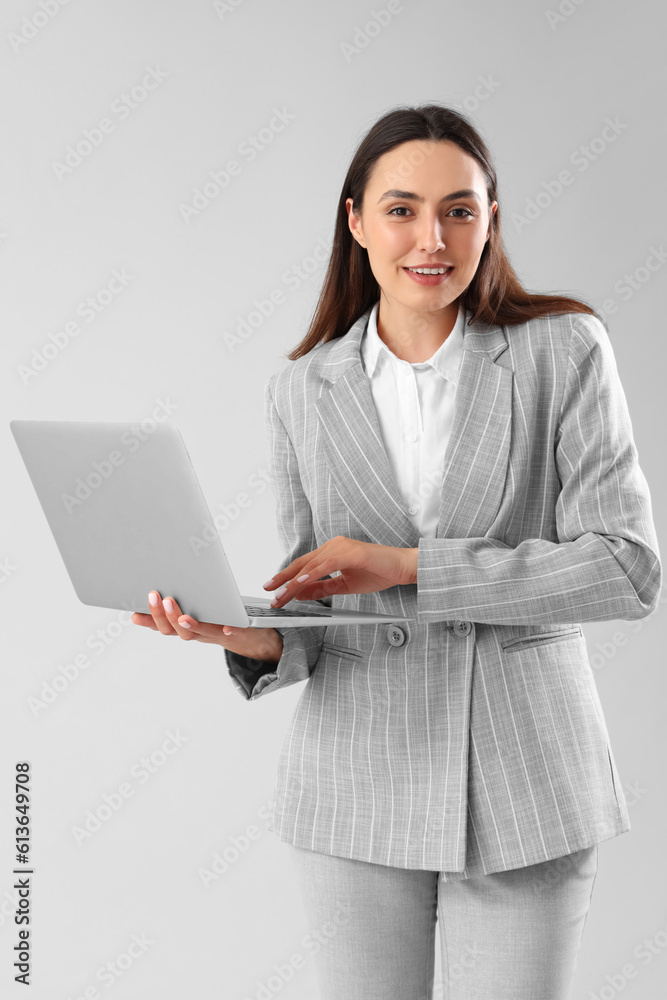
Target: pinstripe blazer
471,738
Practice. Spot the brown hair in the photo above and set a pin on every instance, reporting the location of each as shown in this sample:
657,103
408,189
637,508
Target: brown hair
495,294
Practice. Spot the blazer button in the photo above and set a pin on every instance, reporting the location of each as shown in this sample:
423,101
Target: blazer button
395,635
462,628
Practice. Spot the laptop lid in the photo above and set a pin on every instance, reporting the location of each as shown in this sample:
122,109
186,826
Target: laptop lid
128,515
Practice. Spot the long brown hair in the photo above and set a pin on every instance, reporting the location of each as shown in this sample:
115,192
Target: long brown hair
495,294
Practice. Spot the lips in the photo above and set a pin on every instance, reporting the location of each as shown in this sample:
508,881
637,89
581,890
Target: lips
428,280
408,266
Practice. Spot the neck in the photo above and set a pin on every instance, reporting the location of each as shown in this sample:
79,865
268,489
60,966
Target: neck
411,335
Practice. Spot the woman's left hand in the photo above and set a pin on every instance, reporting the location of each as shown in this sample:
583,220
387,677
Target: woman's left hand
364,568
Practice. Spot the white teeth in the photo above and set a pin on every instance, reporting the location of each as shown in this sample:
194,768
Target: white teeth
428,270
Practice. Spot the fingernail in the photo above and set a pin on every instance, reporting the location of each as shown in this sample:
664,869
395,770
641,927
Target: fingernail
300,579
269,583
168,605
152,598
279,592
227,631
185,624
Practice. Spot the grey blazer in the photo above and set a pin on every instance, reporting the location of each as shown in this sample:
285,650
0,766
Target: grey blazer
471,738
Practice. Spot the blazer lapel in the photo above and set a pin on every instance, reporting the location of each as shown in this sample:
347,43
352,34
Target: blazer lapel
475,464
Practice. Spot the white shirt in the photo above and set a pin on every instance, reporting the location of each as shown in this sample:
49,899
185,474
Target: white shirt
415,407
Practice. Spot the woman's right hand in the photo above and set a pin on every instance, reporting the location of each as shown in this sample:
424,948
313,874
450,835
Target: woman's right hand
258,643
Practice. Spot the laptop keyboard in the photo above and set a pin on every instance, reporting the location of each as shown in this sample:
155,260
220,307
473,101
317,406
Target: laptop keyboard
261,612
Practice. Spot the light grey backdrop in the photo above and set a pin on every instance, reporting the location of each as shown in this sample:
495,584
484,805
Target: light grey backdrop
113,116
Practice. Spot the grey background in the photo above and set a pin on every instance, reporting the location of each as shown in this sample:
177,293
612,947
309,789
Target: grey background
552,81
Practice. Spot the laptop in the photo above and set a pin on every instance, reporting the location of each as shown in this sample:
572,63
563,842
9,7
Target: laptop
128,515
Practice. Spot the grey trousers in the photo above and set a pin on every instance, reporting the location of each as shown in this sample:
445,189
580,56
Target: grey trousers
511,935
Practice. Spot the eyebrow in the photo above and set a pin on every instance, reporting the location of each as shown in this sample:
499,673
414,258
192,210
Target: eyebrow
411,196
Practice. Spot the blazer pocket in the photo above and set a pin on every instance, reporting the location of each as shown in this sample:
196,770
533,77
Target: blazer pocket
540,639
347,652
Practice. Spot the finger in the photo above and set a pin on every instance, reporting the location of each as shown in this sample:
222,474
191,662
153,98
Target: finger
303,583
295,568
322,588
159,614
286,591
138,618
173,613
208,631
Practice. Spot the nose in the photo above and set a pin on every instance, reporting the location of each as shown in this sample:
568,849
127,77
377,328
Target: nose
430,238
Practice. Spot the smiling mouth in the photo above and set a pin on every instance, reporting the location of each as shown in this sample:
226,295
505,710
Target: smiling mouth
429,276
437,269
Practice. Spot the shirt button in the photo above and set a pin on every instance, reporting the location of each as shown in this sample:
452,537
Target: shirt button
413,508
413,437
395,635
462,628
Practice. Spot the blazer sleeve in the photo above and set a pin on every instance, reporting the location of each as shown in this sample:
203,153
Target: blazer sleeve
301,646
606,563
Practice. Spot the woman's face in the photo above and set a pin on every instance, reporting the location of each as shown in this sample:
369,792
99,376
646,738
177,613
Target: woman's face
408,210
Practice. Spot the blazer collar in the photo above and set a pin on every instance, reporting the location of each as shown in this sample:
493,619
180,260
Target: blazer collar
477,455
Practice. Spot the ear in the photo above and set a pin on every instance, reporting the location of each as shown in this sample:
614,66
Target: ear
494,209
354,222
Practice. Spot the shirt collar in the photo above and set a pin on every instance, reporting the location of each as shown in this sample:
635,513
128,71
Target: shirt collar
446,360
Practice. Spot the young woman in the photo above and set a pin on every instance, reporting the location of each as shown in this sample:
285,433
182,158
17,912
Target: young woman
448,447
